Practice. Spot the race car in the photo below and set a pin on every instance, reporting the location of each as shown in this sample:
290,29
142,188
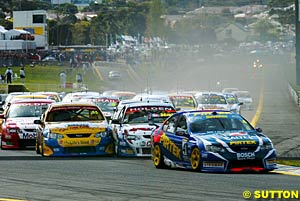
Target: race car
235,105
211,141
212,101
245,98
107,104
17,128
131,128
73,129
183,101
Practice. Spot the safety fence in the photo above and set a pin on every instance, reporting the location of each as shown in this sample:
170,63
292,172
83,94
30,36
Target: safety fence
295,95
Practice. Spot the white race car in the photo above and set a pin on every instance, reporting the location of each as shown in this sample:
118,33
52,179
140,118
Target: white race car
131,128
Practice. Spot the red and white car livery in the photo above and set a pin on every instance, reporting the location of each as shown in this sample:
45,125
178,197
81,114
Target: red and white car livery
131,128
18,128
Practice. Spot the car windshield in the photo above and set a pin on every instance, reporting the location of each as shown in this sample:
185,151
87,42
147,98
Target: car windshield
183,101
107,106
210,123
140,115
231,99
75,114
212,99
19,110
243,95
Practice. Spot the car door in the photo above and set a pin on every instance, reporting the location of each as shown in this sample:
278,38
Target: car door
172,142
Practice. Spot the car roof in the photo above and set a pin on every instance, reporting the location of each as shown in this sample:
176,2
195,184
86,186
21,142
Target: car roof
30,96
19,101
145,103
209,93
206,112
99,97
68,104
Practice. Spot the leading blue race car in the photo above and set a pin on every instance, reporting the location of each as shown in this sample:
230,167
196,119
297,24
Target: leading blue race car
212,141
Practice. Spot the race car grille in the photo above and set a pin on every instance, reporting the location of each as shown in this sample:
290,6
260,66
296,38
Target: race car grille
243,148
245,163
30,130
69,150
27,143
146,151
79,135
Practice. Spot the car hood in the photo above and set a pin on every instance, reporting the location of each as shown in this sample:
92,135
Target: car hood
61,127
214,106
22,122
233,139
138,129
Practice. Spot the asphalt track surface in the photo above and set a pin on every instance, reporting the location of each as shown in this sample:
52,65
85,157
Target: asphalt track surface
25,175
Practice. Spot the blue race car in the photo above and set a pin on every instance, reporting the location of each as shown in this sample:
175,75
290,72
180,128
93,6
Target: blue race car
212,141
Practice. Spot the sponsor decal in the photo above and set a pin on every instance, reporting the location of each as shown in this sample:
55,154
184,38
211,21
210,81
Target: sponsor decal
67,108
213,164
216,116
150,108
241,137
237,134
245,156
29,136
73,142
108,100
209,113
180,97
243,142
170,146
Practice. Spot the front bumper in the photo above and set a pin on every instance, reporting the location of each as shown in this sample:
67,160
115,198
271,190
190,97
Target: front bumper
85,147
141,148
214,162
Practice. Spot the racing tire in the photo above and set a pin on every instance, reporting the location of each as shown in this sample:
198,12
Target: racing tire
158,158
1,146
42,150
37,148
195,159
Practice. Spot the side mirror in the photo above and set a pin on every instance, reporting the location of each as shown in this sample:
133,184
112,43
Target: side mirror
115,121
2,116
259,130
181,133
241,103
38,121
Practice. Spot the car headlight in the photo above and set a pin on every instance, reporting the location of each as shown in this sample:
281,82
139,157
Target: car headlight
267,146
55,136
131,137
12,130
214,148
101,134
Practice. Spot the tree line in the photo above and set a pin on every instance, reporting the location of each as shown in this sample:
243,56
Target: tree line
148,18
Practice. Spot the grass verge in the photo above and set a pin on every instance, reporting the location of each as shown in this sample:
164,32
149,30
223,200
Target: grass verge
289,162
46,78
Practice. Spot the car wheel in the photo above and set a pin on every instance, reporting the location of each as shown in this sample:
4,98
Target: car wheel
158,157
2,145
195,159
42,149
37,148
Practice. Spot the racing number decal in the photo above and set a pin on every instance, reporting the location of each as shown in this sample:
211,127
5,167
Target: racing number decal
184,146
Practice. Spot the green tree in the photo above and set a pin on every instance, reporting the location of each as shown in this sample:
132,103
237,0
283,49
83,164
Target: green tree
80,33
154,21
66,9
266,30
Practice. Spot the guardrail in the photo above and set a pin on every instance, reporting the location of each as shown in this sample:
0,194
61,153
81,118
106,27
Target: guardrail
295,95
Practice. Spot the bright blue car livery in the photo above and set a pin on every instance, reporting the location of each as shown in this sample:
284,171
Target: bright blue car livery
212,141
